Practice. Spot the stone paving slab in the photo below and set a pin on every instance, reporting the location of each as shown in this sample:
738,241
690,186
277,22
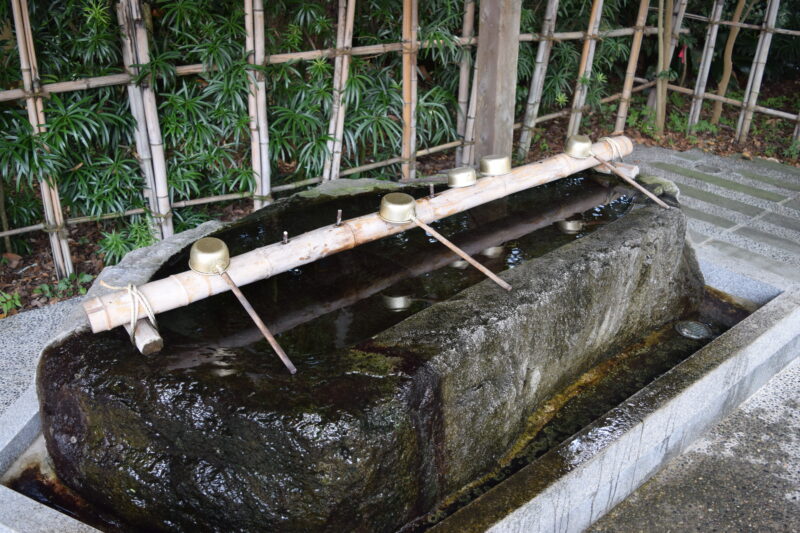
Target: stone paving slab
743,214
743,475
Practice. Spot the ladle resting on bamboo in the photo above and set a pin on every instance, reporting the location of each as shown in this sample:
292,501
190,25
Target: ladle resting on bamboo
113,309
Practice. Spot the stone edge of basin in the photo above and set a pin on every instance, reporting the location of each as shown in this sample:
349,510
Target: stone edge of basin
573,485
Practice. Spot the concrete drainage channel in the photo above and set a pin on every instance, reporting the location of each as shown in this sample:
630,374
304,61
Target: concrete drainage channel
581,479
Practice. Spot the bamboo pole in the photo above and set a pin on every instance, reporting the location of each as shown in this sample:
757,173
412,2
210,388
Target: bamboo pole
51,202
136,104
137,34
113,309
780,31
585,68
341,22
757,71
672,29
630,73
252,106
190,70
705,64
338,134
661,81
537,80
262,194
467,31
469,127
408,167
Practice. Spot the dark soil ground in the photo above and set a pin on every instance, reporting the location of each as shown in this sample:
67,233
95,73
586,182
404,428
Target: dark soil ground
31,275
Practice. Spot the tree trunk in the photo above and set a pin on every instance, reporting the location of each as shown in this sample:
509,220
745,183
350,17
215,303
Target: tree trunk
727,68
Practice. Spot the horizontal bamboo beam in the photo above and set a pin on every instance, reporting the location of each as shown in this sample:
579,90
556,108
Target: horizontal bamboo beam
373,49
780,31
738,103
114,309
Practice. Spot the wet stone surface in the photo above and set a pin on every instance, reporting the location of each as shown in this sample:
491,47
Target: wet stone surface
391,410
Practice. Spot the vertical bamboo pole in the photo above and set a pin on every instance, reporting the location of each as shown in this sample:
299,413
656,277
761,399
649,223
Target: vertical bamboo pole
676,23
468,157
585,68
137,32
630,73
338,97
467,30
137,111
410,23
705,63
757,71
51,202
661,81
263,194
537,81
252,106
341,22
672,25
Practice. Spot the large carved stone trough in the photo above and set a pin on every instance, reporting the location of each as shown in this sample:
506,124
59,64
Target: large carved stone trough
375,433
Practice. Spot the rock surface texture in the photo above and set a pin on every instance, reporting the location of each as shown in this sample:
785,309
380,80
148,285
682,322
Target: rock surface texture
388,427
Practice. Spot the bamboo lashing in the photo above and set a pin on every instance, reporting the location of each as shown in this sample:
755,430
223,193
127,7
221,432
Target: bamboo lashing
630,72
757,71
467,31
51,201
111,310
537,80
585,68
705,64
408,167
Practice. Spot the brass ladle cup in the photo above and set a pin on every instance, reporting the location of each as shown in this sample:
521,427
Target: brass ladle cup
210,256
398,208
580,147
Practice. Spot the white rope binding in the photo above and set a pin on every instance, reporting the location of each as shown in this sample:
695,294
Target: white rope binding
137,299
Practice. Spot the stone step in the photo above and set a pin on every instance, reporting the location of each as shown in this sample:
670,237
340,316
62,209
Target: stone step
721,201
752,263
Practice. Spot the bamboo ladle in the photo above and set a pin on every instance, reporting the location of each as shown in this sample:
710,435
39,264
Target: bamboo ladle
210,256
580,147
398,208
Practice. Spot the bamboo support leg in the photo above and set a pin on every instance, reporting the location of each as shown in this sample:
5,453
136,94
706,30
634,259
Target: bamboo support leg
757,72
259,323
630,73
585,68
51,202
705,64
410,23
537,81
467,30
462,254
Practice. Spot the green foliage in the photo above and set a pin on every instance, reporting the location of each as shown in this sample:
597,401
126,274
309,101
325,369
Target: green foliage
793,151
9,302
74,285
118,242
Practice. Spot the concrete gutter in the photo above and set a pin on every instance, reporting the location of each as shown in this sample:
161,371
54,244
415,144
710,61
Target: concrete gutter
583,478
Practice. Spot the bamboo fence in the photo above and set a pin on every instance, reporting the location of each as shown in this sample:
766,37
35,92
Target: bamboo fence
150,150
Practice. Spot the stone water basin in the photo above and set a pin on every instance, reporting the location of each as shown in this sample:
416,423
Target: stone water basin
392,410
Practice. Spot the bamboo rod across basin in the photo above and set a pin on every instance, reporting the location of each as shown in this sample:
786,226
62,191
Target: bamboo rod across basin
113,309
